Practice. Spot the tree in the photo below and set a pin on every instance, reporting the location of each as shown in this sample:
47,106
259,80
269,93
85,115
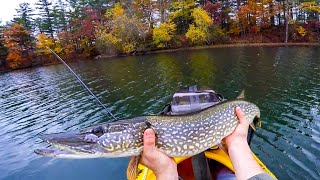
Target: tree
45,21
145,10
198,31
86,34
196,35
59,19
24,15
3,50
43,42
163,7
16,40
181,14
123,34
312,8
163,34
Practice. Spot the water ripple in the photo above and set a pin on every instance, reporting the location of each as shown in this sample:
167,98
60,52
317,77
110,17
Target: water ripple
282,81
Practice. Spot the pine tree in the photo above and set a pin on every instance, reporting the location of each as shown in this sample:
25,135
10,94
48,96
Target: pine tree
24,15
45,12
59,16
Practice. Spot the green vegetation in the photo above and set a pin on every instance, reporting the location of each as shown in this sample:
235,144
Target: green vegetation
86,28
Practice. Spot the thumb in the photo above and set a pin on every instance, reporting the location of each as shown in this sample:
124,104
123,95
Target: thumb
241,116
148,141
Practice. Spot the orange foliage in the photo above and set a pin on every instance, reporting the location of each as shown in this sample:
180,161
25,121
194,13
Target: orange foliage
15,39
254,15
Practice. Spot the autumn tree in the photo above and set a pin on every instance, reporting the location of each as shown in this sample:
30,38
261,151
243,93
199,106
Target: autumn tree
65,45
163,34
43,41
122,34
86,33
181,15
3,50
198,31
145,10
16,40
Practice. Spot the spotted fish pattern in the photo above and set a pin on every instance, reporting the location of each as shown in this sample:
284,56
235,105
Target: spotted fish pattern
176,136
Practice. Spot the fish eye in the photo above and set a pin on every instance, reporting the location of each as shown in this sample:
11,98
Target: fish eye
98,130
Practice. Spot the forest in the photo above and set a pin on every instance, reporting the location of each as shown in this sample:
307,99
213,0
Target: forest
88,28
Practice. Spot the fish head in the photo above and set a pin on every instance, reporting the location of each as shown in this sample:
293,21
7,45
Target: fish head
117,139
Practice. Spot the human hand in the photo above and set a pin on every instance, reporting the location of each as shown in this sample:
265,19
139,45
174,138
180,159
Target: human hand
239,135
162,165
244,164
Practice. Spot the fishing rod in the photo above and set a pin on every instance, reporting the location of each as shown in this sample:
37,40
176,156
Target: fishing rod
82,83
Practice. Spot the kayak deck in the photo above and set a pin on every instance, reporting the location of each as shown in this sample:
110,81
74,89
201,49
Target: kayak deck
214,156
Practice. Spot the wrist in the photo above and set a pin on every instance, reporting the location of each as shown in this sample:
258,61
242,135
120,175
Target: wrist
169,173
239,143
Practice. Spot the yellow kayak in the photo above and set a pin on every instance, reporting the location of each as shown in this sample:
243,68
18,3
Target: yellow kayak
185,166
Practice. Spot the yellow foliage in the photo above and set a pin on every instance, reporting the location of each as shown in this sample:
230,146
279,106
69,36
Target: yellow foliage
182,8
43,42
198,32
164,33
123,33
58,49
302,31
196,35
128,47
116,11
201,18
234,29
313,7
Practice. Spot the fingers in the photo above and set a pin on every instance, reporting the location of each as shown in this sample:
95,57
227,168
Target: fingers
241,116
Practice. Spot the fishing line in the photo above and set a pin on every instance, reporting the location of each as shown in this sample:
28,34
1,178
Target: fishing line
83,84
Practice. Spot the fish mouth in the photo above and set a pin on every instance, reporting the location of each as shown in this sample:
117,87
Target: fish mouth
73,145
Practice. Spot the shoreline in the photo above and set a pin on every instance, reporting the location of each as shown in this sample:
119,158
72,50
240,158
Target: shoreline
100,57
210,47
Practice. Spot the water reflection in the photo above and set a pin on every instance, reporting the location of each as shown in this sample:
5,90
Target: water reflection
283,81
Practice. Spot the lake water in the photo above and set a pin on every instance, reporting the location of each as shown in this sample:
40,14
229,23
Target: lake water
283,81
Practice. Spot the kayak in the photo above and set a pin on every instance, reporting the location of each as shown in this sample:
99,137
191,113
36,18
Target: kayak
184,165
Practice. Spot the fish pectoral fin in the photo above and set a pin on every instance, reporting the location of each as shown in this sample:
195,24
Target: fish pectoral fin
241,95
132,170
253,126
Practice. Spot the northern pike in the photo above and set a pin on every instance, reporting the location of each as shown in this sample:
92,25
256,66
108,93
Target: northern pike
176,136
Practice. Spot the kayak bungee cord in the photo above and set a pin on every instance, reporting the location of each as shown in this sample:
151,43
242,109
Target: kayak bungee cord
83,84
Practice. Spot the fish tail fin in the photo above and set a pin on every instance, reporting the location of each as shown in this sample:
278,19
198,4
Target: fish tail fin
132,170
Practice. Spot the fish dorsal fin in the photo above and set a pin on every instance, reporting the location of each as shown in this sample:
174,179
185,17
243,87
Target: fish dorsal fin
241,96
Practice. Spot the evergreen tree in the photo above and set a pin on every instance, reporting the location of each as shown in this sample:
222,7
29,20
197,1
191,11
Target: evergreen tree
59,16
45,13
24,15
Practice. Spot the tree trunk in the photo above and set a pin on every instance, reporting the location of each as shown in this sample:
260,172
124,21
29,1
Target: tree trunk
287,20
